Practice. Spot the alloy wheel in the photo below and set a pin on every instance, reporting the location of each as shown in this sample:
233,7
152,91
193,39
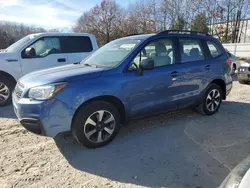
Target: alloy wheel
99,126
213,100
4,93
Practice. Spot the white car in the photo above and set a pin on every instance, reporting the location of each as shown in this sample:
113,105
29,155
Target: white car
40,51
235,62
239,177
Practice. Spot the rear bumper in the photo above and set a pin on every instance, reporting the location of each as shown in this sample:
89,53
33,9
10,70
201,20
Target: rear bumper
229,85
228,90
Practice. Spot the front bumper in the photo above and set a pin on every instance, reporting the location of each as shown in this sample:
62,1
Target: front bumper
33,125
244,73
47,118
244,76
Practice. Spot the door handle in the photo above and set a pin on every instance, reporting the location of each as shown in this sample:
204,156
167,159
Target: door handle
207,67
174,74
61,60
11,60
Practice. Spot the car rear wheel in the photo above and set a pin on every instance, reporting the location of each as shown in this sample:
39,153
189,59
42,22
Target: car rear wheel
211,101
6,88
96,124
243,82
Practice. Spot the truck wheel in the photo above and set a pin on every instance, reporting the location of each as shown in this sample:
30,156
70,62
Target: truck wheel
243,82
6,88
211,101
96,124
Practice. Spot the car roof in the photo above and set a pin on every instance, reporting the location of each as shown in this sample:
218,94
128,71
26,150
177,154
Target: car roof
61,34
173,34
140,37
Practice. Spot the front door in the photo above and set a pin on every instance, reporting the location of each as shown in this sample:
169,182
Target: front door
46,53
156,90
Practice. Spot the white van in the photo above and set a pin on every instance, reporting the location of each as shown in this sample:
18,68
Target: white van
41,51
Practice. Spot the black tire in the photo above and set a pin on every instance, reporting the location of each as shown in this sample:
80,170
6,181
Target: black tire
90,110
203,107
234,68
243,82
10,84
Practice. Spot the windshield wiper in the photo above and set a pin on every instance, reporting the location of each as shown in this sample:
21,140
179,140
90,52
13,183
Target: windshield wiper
89,65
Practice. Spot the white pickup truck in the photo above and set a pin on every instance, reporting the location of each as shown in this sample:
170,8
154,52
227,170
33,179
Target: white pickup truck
41,51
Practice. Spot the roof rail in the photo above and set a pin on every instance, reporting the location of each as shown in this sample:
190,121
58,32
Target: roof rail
183,32
134,34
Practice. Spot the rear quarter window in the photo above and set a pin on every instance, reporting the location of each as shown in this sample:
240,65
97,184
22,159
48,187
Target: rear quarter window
76,44
214,49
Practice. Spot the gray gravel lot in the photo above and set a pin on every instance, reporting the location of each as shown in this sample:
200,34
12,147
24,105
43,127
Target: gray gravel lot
176,150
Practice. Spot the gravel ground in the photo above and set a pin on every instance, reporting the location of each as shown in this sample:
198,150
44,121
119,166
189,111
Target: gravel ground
176,150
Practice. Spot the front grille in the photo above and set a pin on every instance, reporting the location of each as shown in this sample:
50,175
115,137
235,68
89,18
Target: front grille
18,90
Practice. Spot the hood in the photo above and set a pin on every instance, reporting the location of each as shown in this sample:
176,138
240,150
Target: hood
245,63
2,54
65,73
8,56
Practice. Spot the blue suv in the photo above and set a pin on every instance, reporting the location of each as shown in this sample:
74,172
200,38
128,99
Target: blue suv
128,78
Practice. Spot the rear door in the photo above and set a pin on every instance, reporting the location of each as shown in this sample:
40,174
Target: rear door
192,70
76,47
47,54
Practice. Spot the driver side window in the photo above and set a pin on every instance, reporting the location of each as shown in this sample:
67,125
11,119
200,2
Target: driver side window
46,46
161,51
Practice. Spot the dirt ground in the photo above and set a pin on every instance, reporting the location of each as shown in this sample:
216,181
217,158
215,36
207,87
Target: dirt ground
176,150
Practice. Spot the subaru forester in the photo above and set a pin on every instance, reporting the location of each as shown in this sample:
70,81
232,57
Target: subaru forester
128,78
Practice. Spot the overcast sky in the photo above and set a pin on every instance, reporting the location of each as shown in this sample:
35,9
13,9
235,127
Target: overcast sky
47,13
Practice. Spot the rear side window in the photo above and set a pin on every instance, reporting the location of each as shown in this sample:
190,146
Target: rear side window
76,44
214,49
191,50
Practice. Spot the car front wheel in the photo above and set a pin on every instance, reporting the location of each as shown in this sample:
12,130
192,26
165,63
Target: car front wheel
211,101
96,124
6,88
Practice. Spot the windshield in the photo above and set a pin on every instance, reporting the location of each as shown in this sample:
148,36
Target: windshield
17,45
112,53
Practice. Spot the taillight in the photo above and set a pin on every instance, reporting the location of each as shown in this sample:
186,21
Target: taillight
229,62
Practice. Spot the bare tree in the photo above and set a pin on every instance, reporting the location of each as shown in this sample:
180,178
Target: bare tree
108,21
102,20
11,32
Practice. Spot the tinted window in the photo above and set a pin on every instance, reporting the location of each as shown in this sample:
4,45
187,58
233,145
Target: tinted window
46,46
161,51
191,50
214,49
76,44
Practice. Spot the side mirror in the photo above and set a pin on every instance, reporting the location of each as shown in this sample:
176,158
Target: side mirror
147,64
30,52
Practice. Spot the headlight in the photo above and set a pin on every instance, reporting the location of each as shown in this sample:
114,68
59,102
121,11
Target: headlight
45,92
